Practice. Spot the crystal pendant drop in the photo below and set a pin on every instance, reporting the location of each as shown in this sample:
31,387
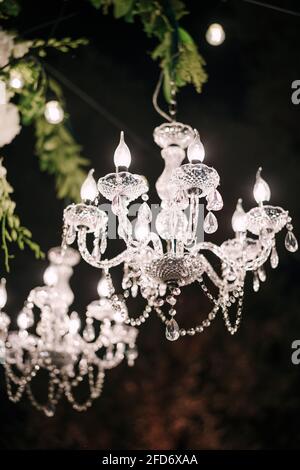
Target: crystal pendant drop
210,223
103,243
134,290
89,333
262,274
49,410
71,235
290,242
274,260
214,201
255,282
145,212
172,330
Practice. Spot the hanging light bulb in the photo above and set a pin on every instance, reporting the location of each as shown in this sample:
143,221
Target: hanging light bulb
50,276
215,34
261,190
74,323
239,218
16,80
53,113
89,190
122,155
3,293
195,151
103,287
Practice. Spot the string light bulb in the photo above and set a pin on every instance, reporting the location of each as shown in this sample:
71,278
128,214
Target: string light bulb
89,190
195,151
122,155
54,113
215,34
239,218
261,190
16,80
74,323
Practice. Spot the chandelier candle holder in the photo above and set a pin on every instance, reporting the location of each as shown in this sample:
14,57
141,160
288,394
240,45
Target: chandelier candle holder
54,343
158,265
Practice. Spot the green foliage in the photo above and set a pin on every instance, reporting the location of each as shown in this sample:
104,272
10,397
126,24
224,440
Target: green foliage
177,53
59,155
9,8
12,232
61,45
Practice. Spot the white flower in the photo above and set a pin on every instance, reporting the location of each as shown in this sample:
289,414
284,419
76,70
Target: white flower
21,48
6,47
9,123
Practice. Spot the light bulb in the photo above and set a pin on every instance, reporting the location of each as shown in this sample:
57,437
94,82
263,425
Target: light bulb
3,99
54,113
215,34
50,276
195,151
89,191
16,80
122,155
23,320
3,293
239,218
103,287
141,230
74,323
261,190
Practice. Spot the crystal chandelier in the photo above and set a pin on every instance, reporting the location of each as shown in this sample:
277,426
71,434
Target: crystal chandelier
48,342
157,265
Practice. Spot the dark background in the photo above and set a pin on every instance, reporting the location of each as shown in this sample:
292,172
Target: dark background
211,391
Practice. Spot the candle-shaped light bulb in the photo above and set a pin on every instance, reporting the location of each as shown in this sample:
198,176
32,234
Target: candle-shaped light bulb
261,190
239,218
103,287
74,323
195,151
89,190
122,155
3,293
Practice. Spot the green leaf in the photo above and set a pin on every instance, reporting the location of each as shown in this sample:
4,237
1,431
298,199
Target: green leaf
122,7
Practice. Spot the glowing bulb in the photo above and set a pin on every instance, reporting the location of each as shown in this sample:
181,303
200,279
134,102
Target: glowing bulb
195,151
3,293
122,155
215,35
53,113
74,323
89,191
261,190
50,276
239,218
16,80
3,99
141,230
23,321
103,287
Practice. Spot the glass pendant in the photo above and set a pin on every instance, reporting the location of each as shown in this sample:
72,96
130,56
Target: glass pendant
172,330
210,223
290,242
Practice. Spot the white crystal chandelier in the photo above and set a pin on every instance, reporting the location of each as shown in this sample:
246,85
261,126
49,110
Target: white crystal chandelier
48,341
158,265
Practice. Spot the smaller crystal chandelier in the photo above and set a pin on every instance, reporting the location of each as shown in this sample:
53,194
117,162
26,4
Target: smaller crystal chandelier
158,264
48,342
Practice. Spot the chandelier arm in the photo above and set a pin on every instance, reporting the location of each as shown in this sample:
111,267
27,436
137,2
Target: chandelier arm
105,264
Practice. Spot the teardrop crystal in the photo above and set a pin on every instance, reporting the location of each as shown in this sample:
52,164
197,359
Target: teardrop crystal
89,333
255,282
262,274
290,242
144,212
210,224
274,260
172,330
71,235
103,243
214,201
